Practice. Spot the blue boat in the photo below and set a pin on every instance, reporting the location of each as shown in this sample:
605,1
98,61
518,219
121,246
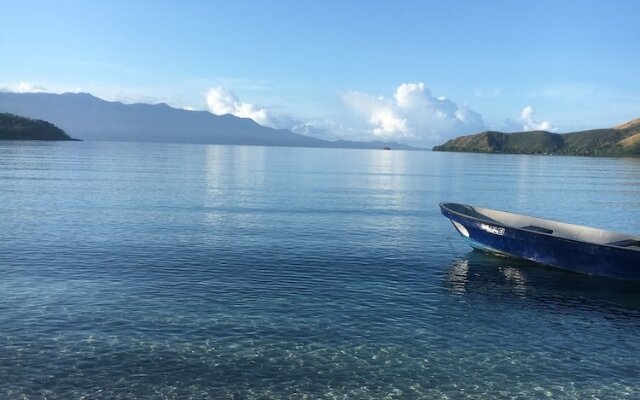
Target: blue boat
556,244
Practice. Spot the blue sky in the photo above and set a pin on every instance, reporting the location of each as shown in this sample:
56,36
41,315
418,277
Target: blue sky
417,72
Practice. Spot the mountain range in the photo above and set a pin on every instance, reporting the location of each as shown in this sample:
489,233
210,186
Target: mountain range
620,140
87,117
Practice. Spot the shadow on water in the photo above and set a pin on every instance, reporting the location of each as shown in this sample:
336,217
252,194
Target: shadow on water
503,277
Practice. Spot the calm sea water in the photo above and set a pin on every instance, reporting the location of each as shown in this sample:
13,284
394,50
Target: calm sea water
177,271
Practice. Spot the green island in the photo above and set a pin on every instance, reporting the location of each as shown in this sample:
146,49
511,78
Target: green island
619,141
14,127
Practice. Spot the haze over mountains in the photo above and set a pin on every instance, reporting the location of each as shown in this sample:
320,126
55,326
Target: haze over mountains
87,117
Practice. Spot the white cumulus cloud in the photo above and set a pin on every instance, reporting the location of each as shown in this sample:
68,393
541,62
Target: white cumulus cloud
223,101
414,115
530,124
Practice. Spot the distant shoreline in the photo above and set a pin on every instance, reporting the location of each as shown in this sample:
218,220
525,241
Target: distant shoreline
15,127
620,141
91,118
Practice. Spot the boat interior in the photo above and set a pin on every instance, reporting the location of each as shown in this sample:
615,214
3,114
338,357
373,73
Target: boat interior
545,226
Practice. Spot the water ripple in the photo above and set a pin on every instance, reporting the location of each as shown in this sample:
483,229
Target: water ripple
173,272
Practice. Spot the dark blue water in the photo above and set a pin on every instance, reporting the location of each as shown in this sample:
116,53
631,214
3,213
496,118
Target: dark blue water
177,271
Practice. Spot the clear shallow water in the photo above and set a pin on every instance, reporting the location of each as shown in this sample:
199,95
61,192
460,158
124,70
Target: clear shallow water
176,271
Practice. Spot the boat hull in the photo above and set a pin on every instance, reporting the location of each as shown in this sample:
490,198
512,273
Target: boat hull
573,255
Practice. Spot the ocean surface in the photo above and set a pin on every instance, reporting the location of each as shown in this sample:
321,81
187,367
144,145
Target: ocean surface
159,271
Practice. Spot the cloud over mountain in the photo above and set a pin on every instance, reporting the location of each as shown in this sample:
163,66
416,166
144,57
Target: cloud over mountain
414,114
528,122
223,101
23,87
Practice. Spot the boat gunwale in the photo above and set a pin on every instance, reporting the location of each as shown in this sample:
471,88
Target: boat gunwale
491,221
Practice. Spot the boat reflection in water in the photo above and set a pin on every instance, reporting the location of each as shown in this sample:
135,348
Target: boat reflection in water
462,275
503,277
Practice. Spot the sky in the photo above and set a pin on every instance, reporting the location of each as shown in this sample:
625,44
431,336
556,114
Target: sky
417,72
